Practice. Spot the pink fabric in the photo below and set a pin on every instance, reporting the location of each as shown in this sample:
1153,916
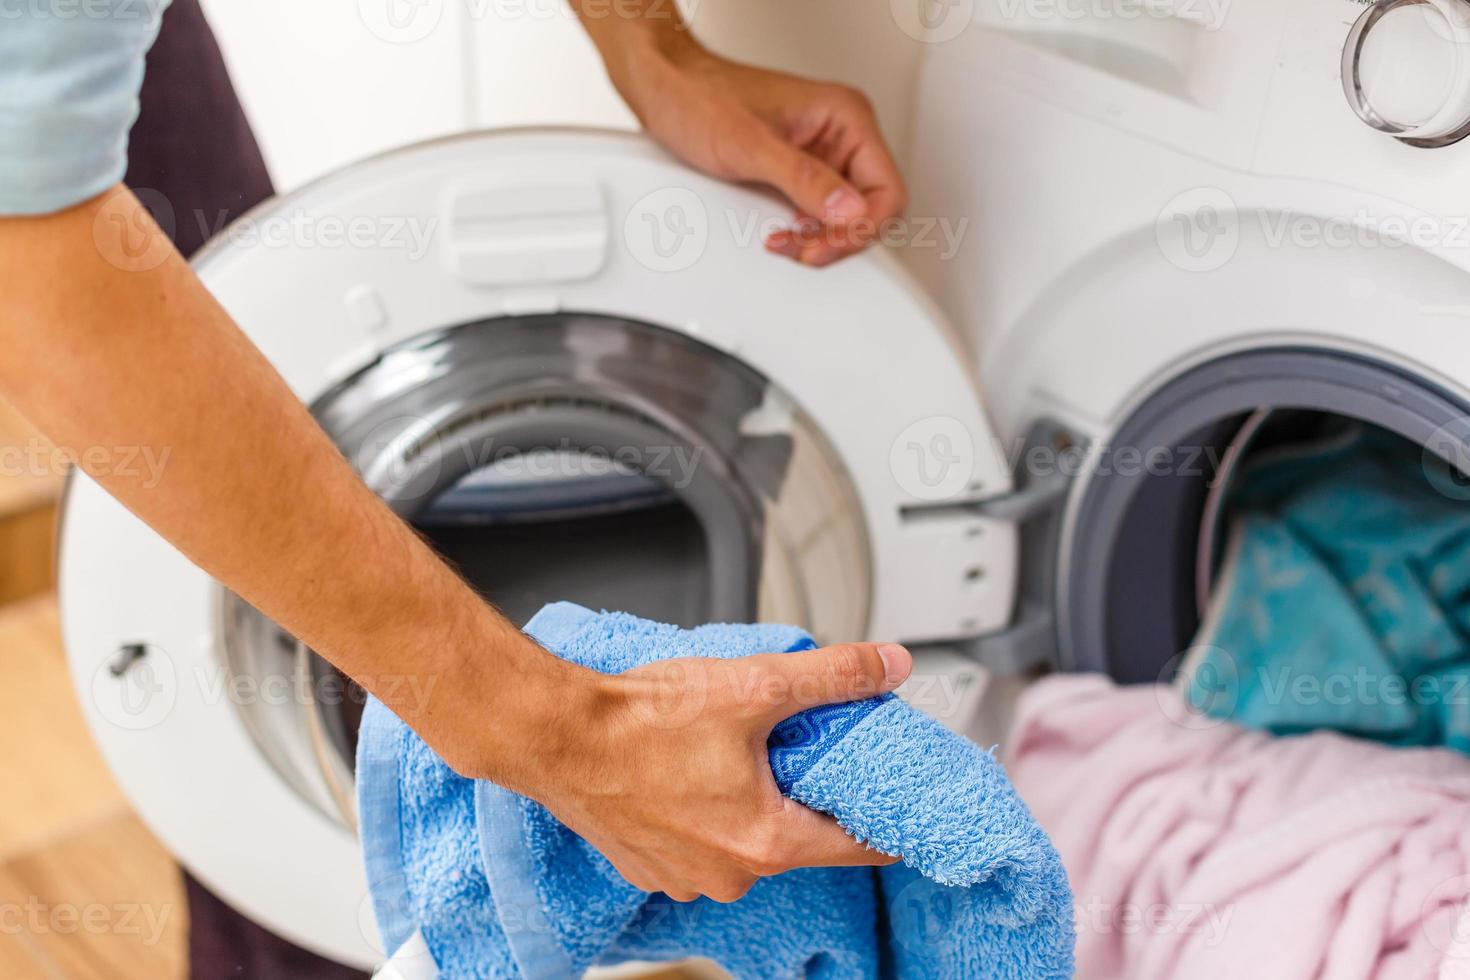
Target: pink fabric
1198,849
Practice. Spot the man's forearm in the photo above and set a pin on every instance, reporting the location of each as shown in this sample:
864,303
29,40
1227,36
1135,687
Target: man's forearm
97,355
635,37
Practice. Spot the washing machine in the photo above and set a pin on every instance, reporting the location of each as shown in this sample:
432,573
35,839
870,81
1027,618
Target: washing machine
569,362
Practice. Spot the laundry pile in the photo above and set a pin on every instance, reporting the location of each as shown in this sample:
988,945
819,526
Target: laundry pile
1298,801
489,884
1202,849
1343,601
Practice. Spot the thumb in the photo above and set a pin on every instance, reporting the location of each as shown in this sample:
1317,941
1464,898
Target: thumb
829,675
814,187
814,840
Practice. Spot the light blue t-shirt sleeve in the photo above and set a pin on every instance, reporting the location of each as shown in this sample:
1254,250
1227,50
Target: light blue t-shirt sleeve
70,71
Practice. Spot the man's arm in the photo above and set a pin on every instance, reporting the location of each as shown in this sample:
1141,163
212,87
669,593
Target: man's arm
100,351
103,353
818,143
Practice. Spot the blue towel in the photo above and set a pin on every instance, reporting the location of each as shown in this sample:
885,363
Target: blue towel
1344,597
498,888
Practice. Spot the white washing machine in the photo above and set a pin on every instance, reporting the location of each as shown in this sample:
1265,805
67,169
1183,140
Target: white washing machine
545,344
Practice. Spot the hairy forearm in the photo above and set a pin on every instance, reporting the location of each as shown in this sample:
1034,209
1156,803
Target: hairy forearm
251,489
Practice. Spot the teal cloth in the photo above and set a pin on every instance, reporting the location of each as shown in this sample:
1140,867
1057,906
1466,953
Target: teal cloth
1344,597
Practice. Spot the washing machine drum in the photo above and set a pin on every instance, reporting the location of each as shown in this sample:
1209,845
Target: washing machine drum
568,362
581,457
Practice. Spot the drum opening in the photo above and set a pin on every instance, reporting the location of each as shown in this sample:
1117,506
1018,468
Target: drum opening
573,457
1147,535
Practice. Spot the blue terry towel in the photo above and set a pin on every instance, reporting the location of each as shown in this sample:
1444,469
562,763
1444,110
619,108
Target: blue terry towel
1344,597
496,887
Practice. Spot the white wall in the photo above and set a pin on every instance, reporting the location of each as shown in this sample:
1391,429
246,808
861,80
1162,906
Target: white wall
857,42
322,89
327,82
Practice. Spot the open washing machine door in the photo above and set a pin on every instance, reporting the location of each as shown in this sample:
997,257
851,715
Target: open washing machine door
566,351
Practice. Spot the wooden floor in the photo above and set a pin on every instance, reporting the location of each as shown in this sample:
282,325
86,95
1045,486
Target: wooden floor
85,890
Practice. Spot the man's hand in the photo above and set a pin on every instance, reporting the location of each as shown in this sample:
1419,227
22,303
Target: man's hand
816,142
668,774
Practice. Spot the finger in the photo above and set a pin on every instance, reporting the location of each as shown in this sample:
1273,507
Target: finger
811,184
798,240
783,684
816,243
863,158
635,875
732,889
874,172
815,840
